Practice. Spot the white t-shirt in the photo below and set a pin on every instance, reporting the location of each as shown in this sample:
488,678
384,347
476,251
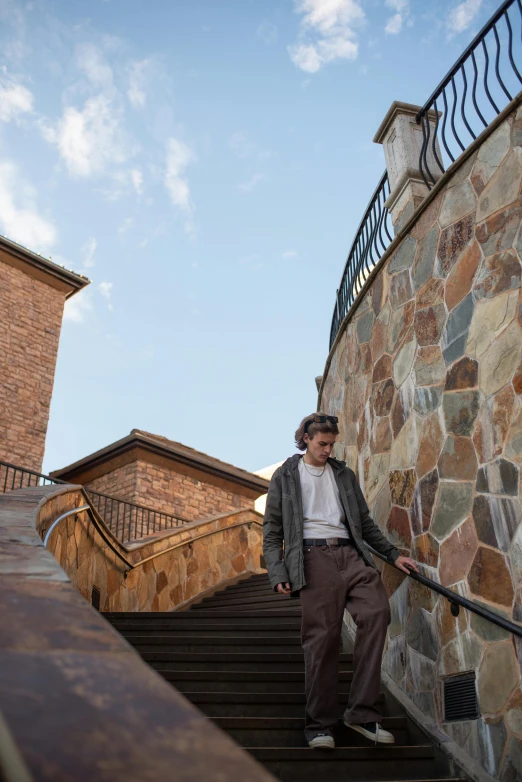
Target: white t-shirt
322,509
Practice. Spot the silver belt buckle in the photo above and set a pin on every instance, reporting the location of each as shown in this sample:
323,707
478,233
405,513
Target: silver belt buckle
332,541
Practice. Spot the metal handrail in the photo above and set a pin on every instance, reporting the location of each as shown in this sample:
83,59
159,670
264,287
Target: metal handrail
458,99
60,518
456,600
372,239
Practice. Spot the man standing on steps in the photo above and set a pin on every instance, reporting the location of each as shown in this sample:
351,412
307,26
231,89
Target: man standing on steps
314,533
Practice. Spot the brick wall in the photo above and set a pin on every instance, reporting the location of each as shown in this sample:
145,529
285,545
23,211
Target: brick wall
31,316
120,482
168,490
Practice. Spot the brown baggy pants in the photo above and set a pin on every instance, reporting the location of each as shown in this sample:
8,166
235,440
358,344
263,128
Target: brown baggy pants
338,578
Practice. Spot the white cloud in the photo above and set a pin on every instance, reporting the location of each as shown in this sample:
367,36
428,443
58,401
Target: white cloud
327,32
19,216
137,180
255,179
179,156
125,226
137,82
289,254
268,33
91,62
15,99
395,22
105,289
78,306
251,262
244,147
88,250
462,15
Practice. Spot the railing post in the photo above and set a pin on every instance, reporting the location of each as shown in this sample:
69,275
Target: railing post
404,141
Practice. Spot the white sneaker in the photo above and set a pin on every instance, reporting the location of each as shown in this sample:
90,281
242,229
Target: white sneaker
322,741
372,731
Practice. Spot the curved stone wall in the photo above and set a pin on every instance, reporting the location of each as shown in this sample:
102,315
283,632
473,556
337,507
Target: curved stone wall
184,563
427,380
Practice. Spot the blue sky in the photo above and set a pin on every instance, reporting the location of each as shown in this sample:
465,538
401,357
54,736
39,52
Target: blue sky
205,163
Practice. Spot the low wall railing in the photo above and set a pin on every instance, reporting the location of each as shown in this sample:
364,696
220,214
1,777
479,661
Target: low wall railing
126,520
485,78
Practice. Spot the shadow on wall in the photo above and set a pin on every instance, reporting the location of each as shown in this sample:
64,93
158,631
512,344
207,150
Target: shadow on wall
426,377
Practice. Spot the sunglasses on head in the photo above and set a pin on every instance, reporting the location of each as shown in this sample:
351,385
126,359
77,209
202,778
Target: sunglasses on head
321,419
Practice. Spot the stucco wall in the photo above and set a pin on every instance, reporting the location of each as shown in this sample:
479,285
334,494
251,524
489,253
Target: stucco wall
427,381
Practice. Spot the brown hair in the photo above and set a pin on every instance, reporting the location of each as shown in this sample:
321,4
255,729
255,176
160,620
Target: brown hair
327,427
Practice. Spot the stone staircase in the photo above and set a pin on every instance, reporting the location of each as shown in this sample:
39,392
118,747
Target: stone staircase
236,655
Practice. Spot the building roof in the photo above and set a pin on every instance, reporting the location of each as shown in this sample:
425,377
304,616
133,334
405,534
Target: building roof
41,268
170,449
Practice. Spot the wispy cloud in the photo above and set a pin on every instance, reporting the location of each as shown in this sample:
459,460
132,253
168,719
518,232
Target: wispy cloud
179,157
327,32
105,289
125,226
251,261
288,255
90,140
250,184
268,33
245,147
19,215
460,17
395,23
137,180
78,306
15,99
137,83
88,250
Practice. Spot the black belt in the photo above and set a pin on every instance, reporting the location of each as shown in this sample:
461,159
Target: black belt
327,542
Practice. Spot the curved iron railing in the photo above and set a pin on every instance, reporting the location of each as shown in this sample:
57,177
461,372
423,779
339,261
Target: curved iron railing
371,240
482,82
126,520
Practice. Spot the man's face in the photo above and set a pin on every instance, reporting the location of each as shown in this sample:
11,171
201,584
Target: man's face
320,446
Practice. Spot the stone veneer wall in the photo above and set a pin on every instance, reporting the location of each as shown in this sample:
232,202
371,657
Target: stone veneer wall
427,380
204,555
31,317
76,699
170,491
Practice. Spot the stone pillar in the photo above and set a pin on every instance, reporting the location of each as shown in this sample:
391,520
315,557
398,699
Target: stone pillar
402,140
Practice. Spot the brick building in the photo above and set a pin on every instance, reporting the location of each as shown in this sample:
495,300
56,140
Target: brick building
165,475
33,291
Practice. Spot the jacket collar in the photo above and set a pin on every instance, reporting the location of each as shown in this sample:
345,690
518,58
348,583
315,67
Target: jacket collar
292,464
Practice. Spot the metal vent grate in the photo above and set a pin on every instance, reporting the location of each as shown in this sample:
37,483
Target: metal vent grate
95,597
460,698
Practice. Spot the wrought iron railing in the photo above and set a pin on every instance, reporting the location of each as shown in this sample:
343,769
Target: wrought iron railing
371,240
482,82
126,520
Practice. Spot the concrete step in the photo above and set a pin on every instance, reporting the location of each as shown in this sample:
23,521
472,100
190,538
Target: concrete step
188,618
244,681
228,602
200,629
193,643
302,764
219,661
256,704
288,731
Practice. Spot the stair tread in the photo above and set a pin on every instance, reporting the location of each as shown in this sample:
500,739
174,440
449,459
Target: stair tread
255,697
370,752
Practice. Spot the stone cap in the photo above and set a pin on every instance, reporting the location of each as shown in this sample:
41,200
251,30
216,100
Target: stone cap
41,268
398,107
172,450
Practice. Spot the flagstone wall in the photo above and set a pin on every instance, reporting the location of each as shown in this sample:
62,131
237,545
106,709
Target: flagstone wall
427,380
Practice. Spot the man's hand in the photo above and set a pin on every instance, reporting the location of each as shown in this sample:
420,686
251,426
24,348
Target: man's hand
403,563
284,589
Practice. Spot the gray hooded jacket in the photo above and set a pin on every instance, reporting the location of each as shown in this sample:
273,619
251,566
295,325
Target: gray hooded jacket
283,522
